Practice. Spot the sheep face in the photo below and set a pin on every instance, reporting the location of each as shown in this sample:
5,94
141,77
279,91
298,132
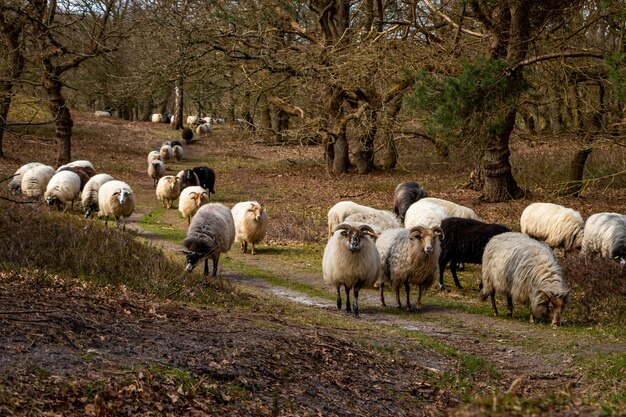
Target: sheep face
256,211
425,237
193,258
122,195
353,235
53,200
618,254
550,305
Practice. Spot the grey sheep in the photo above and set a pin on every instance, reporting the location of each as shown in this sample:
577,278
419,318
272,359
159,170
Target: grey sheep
605,235
405,194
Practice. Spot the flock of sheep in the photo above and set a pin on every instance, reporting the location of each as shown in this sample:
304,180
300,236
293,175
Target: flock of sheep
412,245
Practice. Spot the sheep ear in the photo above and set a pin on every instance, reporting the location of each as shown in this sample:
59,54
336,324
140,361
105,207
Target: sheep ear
416,232
438,231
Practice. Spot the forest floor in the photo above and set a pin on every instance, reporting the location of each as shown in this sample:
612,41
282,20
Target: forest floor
72,348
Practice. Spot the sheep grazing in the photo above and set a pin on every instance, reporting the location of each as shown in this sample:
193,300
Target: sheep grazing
192,120
35,181
204,129
424,213
168,190
409,257
380,221
15,185
154,156
166,152
89,197
156,118
177,152
83,172
78,163
351,259
64,186
405,194
250,224
525,271
156,169
453,209
190,200
211,233
465,242
187,135
166,118
558,226
102,113
340,212
116,198
605,235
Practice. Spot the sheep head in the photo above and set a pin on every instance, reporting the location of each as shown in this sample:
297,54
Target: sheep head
122,195
256,211
355,234
555,306
426,237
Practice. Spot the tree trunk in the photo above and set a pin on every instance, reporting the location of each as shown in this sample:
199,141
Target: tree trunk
341,162
178,105
13,71
577,170
60,112
365,157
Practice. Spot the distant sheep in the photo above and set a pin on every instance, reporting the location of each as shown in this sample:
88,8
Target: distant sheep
172,143
35,181
351,259
211,233
154,156
190,200
409,257
89,197
204,129
156,169
116,198
15,185
382,220
405,194
166,152
62,188
340,211
187,135
605,235
156,118
192,120
558,226
525,271
102,113
250,224
168,190
177,152
465,242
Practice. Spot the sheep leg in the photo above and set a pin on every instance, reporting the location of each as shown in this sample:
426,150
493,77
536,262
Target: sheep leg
206,266
418,306
253,252
453,266
509,306
442,267
398,297
348,308
492,295
215,260
382,294
407,289
356,300
338,298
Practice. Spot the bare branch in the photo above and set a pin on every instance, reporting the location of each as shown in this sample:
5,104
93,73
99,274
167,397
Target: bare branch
451,22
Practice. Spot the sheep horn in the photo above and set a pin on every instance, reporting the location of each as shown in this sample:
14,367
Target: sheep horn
342,226
366,229
438,231
416,231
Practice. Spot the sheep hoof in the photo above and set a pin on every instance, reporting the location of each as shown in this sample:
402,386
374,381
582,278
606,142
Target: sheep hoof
442,287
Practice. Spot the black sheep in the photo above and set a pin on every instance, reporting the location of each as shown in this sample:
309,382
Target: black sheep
406,193
187,135
202,176
465,242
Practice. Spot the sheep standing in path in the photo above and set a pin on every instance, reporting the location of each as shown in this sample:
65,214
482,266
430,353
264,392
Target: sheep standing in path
211,233
168,190
409,257
166,152
605,235
191,199
351,259
405,194
89,196
116,198
558,226
250,224
525,271
156,169
64,186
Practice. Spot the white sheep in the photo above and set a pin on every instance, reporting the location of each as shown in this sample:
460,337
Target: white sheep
558,226
15,185
525,271
204,129
166,152
156,118
35,181
250,223
424,213
453,209
102,113
168,190
409,257
116,198
192,120
351,259
154,156
64,186
156,169
177,152
340,211
211,233
191,199
82,163
380,221
605,235
89,197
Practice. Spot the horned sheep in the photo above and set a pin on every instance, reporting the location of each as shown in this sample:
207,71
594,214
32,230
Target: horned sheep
116,198
558,226
211,233
525,271
465,242
15,185
340,211
168,190
351,259
250,224
63,187
409,257
89,196
190,200
35,181
605,235
405,194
